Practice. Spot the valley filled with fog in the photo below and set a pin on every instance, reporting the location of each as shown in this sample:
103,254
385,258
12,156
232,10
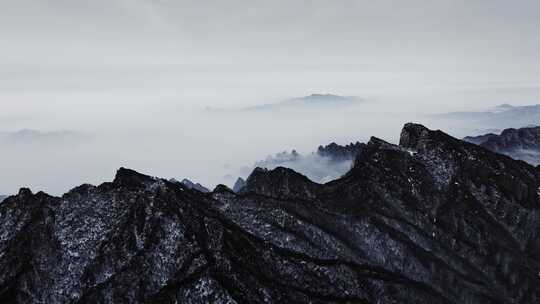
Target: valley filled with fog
212,124
205,90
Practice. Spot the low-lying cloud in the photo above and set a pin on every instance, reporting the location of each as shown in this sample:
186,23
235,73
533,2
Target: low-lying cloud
318,168
42,138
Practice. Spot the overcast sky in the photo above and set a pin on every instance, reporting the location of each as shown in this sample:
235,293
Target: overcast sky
132,78
201,32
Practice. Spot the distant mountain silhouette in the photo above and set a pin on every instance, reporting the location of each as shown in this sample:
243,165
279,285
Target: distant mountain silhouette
313,100
502,116
31,136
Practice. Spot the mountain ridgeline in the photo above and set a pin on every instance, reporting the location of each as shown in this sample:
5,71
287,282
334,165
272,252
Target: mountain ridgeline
341,153
522,143
502,116
326,164
431,220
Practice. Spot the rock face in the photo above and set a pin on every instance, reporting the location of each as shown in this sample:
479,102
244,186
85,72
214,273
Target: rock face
2,197
239,185
195,186
523,143
341,153
432,220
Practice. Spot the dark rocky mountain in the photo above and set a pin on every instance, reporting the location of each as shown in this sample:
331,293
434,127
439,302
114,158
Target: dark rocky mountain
523,143
479,139
239,185
341,153
3,197
431,220
195,186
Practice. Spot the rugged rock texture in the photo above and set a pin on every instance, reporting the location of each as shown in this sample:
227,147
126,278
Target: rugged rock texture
239,185
523,143
281,183
478,140
433,220
341,153
195,186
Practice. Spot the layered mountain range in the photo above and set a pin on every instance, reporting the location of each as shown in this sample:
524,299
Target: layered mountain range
499,117
522,143
325,164
341,153
431,220
309,102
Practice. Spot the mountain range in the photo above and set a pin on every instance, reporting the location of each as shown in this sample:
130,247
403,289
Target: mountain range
325,164
522,143
502,116
31,136
194,186
431,220
313,100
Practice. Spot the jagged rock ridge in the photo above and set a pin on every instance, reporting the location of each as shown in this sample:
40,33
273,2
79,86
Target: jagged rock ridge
197,186
239,185
522,143
341,153
432,220
191,185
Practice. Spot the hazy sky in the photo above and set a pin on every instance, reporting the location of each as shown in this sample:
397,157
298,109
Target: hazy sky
132,78
190,32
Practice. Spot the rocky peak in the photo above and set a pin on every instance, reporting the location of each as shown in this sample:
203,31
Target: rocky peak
412,135
25,193
239,185
419,138
130,178
222,189
280,182
194,186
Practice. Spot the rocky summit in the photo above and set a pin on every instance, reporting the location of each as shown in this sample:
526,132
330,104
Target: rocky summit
431,220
